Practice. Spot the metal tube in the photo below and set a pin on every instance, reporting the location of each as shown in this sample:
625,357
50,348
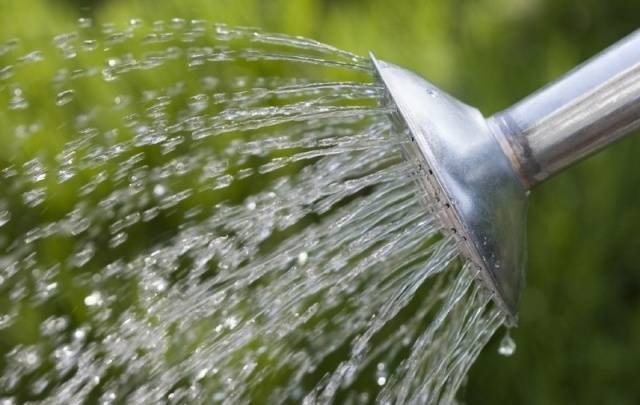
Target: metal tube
590,107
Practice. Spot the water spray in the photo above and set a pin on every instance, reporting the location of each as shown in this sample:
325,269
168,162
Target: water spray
245,235
479,170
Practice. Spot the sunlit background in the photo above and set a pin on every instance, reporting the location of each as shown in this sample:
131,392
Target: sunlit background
578,339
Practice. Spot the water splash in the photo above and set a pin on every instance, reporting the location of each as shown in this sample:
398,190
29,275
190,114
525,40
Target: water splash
181,223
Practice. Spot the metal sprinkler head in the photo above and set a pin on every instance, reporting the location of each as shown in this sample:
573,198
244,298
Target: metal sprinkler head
477,171
466,175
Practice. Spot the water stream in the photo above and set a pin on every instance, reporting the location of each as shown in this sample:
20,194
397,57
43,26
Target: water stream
197,213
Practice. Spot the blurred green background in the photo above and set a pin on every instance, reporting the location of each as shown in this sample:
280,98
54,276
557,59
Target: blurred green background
579,333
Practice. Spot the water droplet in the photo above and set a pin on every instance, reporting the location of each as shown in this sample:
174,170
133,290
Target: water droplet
5,320
108,398
210,82
5,216
240,82
89,45
108,74
159,190
6,72
35,197
76,223
150,214
82,256
35,170
31,358
159,285
93,299
65,174
32,57
69,52
121,101
84,22
53,325
118,240
302,258
381,381
199,103
39,385
231,322
177,23
223,181
223,33
507,345
18,101
80,333
202,373
64,97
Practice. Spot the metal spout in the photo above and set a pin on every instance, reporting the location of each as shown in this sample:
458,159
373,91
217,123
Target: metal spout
477,171
590,107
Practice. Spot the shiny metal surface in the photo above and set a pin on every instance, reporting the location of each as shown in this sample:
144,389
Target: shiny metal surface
476,191
478,171
590,107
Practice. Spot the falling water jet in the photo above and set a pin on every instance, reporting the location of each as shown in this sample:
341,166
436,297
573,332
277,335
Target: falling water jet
231,237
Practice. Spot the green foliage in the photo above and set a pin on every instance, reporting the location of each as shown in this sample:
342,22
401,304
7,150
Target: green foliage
580,317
